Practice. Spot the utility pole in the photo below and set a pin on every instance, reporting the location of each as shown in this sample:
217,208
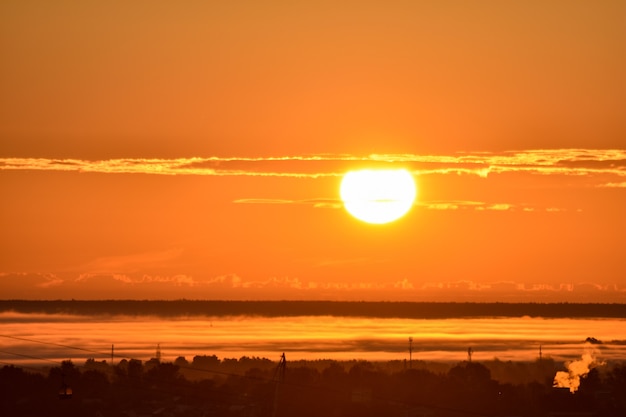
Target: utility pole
279,377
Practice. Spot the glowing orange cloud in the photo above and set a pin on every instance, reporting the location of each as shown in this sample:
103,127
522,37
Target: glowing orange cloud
547,162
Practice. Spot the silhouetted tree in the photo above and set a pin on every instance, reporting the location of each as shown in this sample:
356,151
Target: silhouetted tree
181,362
616,385
355,388
94,385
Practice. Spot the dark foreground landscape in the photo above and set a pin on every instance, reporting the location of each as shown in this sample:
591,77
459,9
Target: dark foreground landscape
206,385
255,387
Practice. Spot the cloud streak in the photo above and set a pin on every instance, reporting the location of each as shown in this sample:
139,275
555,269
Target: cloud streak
131,263
573,162
178,285
437,205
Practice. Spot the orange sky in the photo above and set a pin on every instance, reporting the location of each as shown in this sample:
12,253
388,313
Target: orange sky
156,150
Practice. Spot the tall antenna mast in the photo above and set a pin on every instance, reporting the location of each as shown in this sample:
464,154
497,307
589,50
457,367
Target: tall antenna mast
158,352
112,353
410,352
469,353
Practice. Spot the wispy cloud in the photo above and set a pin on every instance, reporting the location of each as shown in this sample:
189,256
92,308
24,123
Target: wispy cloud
177,280
467,205
614,185
405,289
317,202
438,205
576,162
131,263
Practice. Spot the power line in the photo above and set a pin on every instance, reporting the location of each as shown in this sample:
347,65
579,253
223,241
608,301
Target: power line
50,343
100,353
32,368
256,378
144,378
30,357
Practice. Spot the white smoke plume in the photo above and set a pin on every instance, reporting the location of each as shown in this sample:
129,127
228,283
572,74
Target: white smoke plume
577,369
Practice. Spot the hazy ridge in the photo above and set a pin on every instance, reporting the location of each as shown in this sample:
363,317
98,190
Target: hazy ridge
413,310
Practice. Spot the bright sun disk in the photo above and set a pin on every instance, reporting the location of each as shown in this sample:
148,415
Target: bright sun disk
378,196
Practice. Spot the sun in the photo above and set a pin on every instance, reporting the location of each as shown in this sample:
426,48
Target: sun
378,196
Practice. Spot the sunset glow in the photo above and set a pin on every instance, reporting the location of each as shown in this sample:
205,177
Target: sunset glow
312,208
199,150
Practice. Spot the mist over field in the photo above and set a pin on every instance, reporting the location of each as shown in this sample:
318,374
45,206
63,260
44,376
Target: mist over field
225,358
58,330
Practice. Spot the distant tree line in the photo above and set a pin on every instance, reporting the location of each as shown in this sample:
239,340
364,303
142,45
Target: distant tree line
414,310
251,387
